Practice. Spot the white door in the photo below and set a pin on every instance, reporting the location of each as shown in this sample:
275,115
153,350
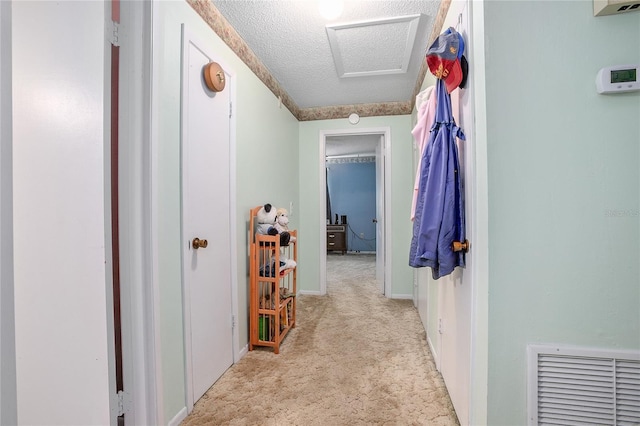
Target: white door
205,209
456,291
380,214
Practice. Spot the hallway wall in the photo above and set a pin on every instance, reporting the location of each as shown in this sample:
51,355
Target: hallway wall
400,198
564,184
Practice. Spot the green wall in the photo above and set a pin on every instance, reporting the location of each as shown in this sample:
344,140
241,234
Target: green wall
266,171
400,198
563,178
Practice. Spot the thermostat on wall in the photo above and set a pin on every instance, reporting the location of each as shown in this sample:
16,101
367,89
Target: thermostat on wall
618,79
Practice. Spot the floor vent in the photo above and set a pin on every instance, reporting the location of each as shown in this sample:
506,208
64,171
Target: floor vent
576,386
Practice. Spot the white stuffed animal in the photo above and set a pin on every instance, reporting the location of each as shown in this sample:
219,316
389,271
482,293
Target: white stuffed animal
266,218
282,222
287,263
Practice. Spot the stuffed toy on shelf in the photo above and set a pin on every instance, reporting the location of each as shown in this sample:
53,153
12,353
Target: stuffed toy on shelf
266,218
282,222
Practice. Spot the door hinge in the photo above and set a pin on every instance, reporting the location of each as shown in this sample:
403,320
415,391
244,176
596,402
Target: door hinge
113,33
230,109
233,322
124,404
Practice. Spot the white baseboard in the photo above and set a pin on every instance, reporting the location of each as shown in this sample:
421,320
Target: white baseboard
402,296
433,352
182,414
310,292
243,352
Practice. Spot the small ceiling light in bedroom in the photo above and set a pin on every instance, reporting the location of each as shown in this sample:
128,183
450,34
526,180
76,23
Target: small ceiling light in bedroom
330,9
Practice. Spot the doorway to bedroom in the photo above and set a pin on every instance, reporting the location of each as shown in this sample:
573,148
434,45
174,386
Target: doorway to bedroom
354,168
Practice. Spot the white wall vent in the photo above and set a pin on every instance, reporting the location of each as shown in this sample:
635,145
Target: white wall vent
578,386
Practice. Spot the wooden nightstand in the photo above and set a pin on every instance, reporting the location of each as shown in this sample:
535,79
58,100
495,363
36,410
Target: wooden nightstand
337,238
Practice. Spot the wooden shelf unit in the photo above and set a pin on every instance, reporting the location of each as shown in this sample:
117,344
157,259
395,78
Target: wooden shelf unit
272,296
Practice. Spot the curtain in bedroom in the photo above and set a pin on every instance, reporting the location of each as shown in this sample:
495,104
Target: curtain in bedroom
328,196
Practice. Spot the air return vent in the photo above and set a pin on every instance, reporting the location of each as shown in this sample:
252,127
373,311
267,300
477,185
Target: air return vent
576,386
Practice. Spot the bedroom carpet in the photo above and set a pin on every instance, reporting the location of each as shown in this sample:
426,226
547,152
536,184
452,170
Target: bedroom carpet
354,358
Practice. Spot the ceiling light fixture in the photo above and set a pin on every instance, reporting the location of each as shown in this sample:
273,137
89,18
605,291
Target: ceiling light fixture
330,9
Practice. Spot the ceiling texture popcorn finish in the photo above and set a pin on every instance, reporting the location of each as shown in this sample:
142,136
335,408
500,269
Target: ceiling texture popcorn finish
370,60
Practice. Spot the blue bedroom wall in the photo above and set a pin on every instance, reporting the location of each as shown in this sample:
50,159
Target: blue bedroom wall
352,190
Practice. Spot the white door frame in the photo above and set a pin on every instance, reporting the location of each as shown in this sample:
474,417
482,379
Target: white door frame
385,133
141,351
380,225
231,86
8,400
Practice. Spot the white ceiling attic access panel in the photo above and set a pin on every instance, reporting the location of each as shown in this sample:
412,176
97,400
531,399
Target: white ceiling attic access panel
374,47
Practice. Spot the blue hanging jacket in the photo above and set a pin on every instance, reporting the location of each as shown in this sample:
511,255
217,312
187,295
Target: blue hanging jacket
439,217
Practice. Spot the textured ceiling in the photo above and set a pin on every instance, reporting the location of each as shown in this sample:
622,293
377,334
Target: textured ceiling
292,40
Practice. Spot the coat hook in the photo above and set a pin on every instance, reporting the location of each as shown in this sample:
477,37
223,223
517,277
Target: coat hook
214,77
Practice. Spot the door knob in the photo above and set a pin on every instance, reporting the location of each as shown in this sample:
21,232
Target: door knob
198,243
460,246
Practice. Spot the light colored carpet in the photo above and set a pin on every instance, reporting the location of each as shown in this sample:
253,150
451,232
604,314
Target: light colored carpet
354,358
